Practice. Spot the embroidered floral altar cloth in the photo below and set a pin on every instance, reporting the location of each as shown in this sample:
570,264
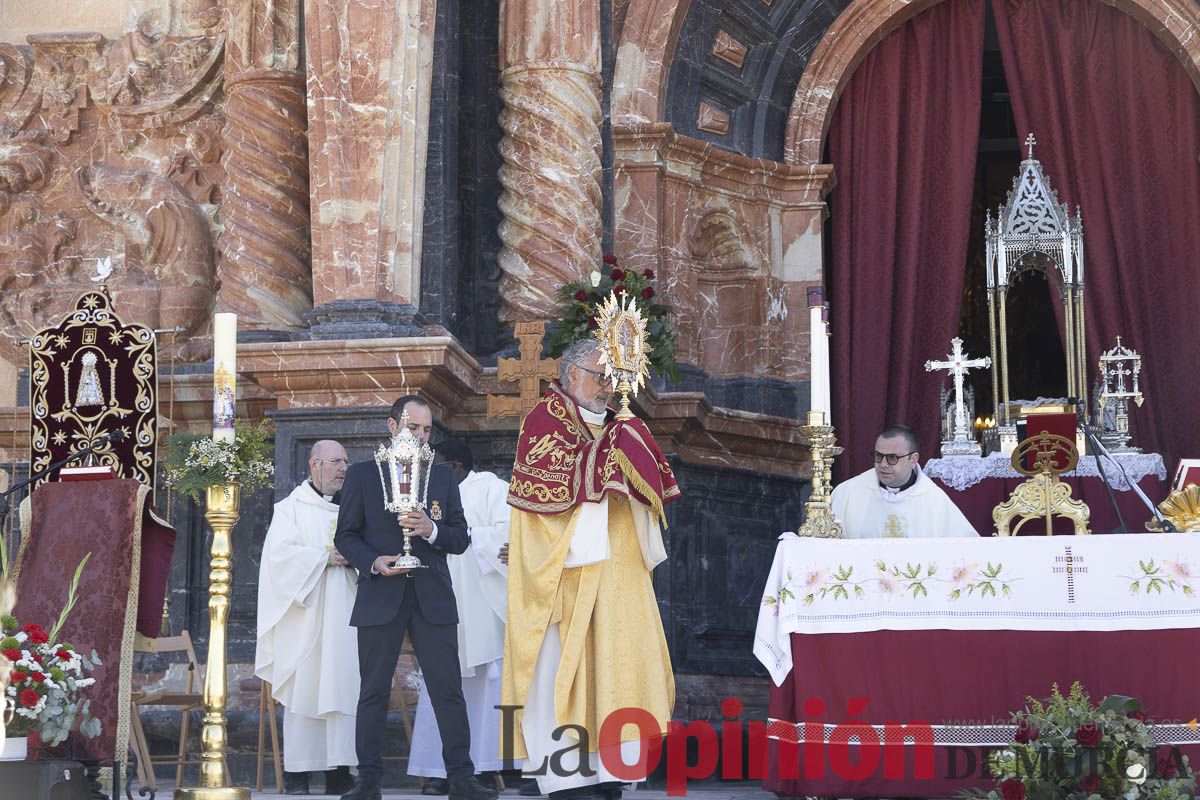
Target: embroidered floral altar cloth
954,634
1076,583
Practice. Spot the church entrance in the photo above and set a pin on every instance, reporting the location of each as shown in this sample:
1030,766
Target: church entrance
1035,342
921,154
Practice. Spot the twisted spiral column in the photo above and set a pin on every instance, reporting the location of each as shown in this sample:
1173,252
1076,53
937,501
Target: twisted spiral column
265,255
551,199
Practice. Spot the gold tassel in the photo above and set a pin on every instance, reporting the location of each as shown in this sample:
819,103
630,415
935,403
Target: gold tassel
633,477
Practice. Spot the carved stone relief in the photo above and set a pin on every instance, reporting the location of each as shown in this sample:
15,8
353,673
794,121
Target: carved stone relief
113,148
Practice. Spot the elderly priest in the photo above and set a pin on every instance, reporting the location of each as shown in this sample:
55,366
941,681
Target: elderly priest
896,499
306,649
584,636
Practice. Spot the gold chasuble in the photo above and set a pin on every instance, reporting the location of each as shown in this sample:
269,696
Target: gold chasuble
600,488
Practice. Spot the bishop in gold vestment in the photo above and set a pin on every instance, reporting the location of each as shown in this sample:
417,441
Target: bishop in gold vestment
584,636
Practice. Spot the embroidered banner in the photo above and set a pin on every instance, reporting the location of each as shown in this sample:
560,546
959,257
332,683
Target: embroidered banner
91,375
1034,583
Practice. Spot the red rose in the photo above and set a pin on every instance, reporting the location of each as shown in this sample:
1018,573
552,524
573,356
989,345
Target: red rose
648,292
1090,783
64,654
35,633
1012,789
12,655
1026,732
592,324
1088,734
29,698
619,288
617,274
611,260
18,676
37,677
581,295
649,274
1139,715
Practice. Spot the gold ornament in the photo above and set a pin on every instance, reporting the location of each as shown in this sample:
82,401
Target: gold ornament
624,347
1182,508
1043,496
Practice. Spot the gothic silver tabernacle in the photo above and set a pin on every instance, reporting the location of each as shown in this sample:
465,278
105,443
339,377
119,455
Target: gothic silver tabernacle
404,466
1033,232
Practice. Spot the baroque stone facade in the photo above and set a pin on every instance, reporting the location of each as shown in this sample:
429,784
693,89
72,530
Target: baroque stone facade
380,190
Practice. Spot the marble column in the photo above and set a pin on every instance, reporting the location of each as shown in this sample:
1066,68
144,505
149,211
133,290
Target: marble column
552,200
369,67
264,268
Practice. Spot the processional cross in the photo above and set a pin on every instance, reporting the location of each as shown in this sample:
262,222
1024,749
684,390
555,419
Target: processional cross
529,371
958,364
1030,141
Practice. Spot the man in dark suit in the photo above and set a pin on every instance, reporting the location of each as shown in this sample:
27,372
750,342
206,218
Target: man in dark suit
391,601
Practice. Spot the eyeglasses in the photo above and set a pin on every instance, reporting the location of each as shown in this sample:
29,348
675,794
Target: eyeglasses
599,373
337,462
891,458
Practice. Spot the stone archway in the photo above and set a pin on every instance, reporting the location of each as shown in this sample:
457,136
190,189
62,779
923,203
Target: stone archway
866,22
647,45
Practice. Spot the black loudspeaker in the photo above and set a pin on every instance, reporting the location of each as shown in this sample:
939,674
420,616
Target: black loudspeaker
43,780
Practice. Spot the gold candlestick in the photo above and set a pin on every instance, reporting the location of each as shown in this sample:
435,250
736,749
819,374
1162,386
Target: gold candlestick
222,513
819,521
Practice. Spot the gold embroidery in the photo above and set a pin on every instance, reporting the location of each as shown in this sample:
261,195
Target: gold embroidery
541,493
895,527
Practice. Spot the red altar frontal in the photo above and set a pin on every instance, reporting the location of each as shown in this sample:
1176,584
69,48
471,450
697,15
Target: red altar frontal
850,666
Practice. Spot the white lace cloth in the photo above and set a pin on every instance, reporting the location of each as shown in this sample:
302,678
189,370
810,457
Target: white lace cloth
963,473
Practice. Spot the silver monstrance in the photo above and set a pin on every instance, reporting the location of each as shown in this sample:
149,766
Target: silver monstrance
404,466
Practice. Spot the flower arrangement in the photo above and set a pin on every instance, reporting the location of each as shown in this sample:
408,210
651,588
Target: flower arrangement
195,463
1068,748
47,677
579,318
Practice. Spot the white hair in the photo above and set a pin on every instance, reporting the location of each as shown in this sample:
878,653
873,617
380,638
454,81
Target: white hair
575,354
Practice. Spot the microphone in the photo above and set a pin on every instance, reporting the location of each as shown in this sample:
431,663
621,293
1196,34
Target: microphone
117,435
1098,450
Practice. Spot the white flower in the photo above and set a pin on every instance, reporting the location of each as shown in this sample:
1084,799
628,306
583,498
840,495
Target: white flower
1136,773
595,276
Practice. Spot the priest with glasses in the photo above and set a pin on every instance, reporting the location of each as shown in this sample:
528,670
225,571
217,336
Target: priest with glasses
895,499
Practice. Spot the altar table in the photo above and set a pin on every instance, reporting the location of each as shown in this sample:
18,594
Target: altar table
957,633
978,485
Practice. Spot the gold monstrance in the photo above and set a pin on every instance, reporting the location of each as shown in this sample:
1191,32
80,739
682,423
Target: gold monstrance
624,347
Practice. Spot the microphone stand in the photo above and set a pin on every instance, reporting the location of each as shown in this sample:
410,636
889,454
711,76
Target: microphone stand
7,506
1099,449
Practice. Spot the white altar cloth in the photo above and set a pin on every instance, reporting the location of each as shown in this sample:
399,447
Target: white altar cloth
1032,583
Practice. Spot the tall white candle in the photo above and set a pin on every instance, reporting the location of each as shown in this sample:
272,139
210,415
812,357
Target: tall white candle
826,376
818,354
224,375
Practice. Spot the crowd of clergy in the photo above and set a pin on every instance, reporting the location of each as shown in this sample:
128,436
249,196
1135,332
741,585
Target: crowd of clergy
536,593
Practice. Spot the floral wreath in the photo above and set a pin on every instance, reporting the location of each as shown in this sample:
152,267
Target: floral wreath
581,307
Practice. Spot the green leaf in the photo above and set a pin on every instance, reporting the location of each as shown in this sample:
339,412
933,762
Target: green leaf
70,604
1120,704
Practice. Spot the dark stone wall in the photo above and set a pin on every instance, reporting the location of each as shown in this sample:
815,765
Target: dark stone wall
460,273
721,541
780,38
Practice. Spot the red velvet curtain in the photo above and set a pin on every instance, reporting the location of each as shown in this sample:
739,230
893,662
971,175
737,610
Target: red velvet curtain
903,141
1117,120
